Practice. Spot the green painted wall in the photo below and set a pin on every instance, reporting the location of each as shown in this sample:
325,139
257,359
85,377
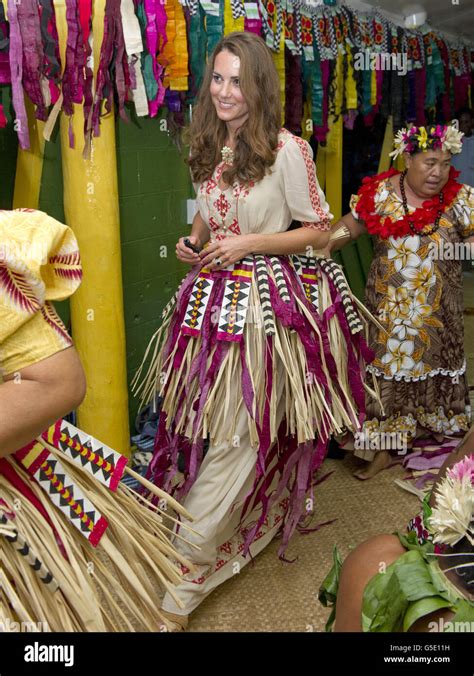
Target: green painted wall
51,198
154,185
355,259
8,152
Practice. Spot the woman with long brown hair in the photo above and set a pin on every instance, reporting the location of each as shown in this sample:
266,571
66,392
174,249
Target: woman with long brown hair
260,350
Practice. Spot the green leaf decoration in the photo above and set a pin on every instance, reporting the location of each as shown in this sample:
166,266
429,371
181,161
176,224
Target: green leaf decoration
330,586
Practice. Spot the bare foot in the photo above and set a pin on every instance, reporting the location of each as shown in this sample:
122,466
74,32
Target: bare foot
380,462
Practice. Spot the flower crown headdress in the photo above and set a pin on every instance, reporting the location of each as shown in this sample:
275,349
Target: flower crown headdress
427,138
451,518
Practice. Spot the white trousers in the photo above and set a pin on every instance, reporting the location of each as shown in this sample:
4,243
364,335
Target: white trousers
215,501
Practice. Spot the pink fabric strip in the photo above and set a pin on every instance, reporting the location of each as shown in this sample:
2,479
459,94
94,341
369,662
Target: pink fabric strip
230,338
253,26
53,88
73,78
155,33
104,88
5,77
161,21
29,22
16,68
85,20
85,14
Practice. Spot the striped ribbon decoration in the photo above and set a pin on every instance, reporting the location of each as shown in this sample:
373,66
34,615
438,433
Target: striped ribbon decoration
298,33
172,302
21,545
332,270
279,28
238,9
264,294
280,279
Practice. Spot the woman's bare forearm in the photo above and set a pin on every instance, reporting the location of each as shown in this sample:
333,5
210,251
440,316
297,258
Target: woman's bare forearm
200,229
302,240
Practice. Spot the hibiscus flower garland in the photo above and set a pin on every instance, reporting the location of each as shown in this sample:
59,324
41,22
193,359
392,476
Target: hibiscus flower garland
425,215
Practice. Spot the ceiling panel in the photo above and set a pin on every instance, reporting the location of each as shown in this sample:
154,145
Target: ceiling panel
456,19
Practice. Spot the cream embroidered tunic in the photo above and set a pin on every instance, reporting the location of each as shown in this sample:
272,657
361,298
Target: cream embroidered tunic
290,192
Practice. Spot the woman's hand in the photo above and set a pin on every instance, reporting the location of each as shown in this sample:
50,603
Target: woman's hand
228,251
326,252
186,255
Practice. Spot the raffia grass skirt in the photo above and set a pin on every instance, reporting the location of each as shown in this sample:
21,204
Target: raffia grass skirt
229,336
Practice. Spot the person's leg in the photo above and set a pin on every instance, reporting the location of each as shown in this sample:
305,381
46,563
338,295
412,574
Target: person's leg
215,500
382,460
36,396
225,477
368,559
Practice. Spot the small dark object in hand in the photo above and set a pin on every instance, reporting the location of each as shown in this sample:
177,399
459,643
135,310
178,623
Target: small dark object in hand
191,246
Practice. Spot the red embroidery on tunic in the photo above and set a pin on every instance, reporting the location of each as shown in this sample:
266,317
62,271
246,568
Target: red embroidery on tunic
215,227
222,205
286,134
324,224
242,190
213,224
234,227
208,186
222,208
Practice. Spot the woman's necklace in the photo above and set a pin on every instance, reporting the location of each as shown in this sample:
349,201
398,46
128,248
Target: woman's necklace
415,230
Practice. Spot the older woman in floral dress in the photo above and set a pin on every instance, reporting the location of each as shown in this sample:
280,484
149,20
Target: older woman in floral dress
420,219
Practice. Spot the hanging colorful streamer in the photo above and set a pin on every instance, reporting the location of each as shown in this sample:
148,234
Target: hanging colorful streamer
154,52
